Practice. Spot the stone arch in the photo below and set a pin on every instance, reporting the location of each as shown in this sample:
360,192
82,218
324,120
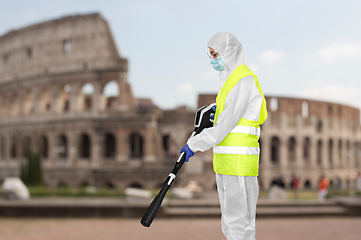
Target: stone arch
28,104
62,184
84,184
136,185
62,147
307,184
136,145
319,127
291,149
306,149
86,96
109,185
44,147
64,99
15,106
29,52
111,91
275,149
45,100
331,183
357,154
273,182
168,145
330,109
340,152
330,151
13,147
110,145
84,146
66,46
278,182
26,145
319,152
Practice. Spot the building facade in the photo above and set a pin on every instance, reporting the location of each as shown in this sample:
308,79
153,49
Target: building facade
53,82
308,138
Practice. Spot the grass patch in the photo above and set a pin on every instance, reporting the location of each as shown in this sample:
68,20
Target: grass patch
341,192
302,194
41,191
106,192
71,192
312,194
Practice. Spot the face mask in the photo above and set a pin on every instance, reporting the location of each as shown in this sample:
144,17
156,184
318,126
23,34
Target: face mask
217,63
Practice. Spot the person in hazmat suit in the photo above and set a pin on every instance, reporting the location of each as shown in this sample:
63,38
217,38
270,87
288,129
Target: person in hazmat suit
240,110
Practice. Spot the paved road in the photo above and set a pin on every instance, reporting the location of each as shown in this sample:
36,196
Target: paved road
175,229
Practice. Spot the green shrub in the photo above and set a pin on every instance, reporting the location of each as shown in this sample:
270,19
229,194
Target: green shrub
31,172
41,191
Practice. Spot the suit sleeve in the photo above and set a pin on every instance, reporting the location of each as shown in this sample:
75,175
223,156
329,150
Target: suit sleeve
236,104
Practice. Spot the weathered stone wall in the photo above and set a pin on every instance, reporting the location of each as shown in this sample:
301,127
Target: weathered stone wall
68,44
78,134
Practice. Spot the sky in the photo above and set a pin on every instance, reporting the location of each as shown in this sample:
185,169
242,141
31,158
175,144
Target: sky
307,49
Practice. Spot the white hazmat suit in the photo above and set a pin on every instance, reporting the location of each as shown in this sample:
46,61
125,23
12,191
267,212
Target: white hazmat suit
237,194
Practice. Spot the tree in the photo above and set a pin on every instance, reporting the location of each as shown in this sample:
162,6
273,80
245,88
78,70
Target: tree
31,172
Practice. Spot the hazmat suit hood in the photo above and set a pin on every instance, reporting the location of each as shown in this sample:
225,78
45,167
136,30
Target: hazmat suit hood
230,50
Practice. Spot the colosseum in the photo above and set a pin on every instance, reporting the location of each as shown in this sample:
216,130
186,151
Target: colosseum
64,93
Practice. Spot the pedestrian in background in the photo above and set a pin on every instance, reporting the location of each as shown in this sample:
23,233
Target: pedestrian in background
295,185
322,190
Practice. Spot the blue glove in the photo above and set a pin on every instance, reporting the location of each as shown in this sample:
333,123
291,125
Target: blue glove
188,151
212,114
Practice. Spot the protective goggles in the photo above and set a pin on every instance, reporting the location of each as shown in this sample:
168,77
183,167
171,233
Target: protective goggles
212,54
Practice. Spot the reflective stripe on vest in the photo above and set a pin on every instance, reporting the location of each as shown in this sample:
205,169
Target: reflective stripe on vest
246,129
236,150
238,153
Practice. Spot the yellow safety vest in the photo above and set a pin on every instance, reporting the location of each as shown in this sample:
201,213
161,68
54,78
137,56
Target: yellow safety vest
238,153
